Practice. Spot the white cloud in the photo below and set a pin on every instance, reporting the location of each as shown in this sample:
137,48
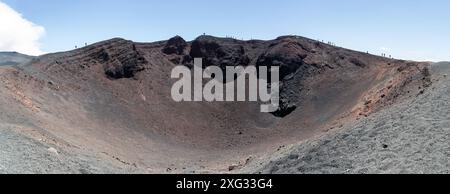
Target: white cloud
17,33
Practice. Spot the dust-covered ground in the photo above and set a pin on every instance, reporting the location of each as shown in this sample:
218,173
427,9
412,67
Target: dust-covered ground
24,155
410,137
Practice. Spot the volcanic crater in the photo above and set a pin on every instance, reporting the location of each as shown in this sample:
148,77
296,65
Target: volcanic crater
110,104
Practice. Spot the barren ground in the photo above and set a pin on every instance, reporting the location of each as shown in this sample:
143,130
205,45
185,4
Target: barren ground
106,108
409,137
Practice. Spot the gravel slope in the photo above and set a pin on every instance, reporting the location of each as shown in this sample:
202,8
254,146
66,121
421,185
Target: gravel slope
13,58
410,137
23,155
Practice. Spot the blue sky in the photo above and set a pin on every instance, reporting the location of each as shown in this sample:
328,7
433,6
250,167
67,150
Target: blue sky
408,29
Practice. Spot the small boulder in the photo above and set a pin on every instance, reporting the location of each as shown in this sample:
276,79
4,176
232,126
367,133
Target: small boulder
53,150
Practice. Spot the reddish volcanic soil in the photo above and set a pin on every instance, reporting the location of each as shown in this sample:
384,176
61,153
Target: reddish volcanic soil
111,101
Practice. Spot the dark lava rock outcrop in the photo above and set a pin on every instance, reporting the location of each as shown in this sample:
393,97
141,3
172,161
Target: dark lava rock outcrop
120,61
219,52
288,55
175,45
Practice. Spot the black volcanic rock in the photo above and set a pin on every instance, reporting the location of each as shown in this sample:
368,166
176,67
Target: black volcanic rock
128,69
289,56
120,59
175,45
219,52
284,110
125,67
